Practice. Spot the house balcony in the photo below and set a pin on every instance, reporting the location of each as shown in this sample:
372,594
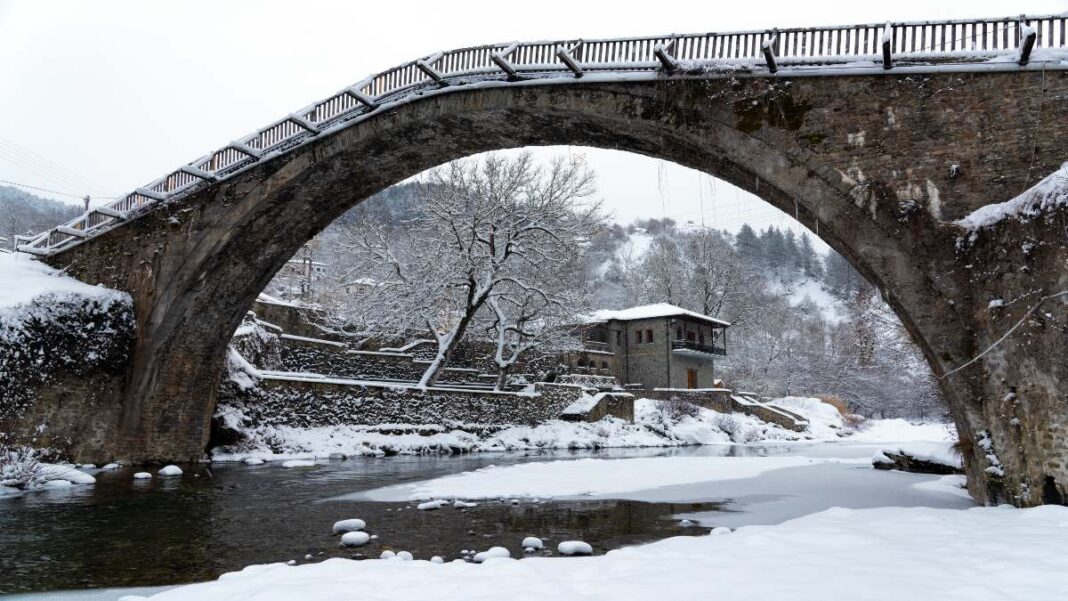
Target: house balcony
592,346
696,349
591,371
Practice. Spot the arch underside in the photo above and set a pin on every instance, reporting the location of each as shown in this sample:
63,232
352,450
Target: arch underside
793,144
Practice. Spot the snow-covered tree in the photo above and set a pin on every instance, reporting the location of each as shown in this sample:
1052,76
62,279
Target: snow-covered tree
496,236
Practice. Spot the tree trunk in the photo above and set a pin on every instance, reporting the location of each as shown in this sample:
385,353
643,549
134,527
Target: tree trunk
502,377
431,375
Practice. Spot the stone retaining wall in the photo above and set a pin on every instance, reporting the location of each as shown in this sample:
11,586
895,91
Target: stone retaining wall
62,361
716,399
604,404
316,404
337,361
721,399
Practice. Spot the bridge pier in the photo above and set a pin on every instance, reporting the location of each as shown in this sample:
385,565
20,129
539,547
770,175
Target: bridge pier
879,166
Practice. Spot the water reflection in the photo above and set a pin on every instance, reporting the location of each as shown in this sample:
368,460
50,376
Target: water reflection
125,532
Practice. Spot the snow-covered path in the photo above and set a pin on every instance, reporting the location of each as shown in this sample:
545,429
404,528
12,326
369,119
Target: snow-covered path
873,554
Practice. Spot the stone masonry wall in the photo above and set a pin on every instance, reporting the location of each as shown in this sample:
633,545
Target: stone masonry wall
715,399
62,366
327,360
317,404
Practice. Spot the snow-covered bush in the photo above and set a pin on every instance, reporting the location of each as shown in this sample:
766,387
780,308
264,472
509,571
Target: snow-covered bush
19,467
729,424
676,409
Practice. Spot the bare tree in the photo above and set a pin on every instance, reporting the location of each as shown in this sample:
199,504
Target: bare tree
720,281
526,319
661,275
492,236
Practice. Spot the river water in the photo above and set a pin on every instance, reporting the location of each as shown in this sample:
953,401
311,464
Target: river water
219,518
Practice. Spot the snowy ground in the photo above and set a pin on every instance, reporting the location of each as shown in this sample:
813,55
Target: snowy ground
899,430
25,279
873,554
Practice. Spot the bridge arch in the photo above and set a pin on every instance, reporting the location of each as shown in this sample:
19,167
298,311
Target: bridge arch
877,166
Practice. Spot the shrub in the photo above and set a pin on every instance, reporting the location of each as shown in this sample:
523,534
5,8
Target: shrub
19,467
729,424
676,409
837,402
852,420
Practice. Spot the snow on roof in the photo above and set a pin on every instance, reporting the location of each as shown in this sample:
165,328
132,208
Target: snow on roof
648,312
1044,196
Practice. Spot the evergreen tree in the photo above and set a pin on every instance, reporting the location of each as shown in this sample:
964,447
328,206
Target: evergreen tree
791,253
746,242
809,262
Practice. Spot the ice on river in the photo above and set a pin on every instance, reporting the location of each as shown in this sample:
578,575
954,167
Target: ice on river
582,477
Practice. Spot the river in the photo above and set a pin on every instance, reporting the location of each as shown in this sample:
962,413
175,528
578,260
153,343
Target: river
222,517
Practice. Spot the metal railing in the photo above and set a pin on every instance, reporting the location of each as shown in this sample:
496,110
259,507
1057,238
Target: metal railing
969,40
691,345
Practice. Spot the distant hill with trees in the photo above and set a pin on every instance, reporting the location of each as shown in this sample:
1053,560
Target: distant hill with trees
24,213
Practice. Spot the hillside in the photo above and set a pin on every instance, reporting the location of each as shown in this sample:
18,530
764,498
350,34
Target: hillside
24,213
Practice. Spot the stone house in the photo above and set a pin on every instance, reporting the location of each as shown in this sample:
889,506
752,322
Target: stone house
651,346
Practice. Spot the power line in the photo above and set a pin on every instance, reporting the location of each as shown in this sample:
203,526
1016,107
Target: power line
39,189
68,175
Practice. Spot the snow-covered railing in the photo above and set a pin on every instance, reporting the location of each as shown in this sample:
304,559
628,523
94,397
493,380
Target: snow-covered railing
967,40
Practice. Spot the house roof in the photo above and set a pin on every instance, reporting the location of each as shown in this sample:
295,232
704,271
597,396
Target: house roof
648,312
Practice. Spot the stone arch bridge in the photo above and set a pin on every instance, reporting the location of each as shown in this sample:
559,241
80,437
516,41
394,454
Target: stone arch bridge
879,138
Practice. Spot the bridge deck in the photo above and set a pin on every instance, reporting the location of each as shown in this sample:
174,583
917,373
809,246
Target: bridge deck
852,49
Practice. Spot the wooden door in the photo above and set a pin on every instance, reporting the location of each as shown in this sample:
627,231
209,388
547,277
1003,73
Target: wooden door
691,378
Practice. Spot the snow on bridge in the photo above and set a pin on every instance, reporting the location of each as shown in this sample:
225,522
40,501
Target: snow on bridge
974,44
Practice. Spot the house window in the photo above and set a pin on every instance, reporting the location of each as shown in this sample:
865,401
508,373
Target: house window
604,365
638,335
649,336
619,338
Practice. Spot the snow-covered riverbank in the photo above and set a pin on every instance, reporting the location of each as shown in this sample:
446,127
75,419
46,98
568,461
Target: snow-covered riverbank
655,425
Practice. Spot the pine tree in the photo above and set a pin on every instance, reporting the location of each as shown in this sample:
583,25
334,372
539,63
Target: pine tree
746,242
810,262
791,254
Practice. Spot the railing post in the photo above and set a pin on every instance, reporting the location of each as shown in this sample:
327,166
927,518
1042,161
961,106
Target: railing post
426,66
888,42
303,123
500,59
768,48
356,92
665,58
1028,35
566,58
245,149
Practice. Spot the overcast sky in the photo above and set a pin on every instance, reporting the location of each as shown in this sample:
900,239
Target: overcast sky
101,97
